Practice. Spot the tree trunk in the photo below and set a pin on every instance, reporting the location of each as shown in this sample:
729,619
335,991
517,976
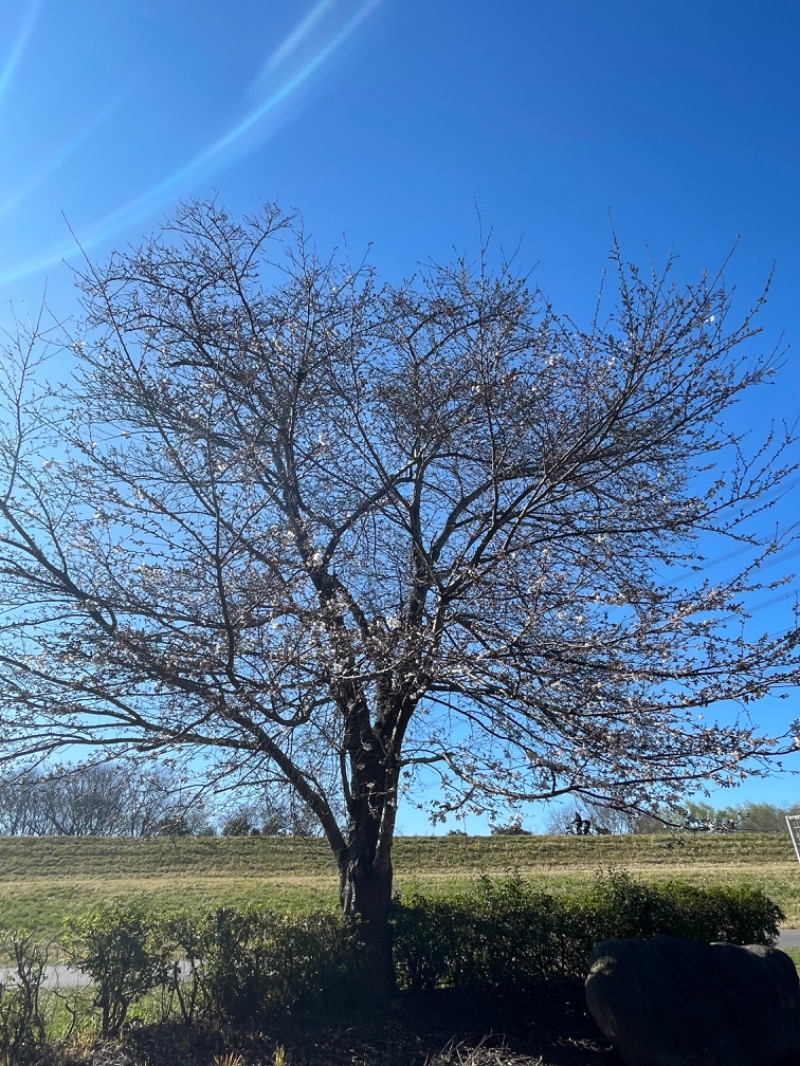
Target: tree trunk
365,890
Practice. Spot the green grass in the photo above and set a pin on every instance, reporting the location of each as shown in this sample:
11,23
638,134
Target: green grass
44,879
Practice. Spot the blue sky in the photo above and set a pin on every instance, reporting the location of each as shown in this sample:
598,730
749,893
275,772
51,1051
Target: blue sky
388,120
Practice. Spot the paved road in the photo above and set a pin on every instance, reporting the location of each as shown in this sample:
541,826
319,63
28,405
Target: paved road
789,938
54,977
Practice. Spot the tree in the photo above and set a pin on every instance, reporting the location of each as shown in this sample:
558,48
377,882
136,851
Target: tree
336,535
178,825
267,814
97,799
747,817
763,817
82,802
21,813
239,825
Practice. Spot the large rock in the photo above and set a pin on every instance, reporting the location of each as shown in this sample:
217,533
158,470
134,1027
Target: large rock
674,1002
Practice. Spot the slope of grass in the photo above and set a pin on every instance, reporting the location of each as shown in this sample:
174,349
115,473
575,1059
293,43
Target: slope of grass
43,879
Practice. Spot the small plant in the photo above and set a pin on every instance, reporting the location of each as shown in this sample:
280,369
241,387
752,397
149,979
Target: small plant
512,828
121,951
230,1058
22,1022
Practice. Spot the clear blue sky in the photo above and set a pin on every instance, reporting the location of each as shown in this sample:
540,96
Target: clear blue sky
389,120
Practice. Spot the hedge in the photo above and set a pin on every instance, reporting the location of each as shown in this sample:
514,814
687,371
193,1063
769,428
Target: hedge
510,937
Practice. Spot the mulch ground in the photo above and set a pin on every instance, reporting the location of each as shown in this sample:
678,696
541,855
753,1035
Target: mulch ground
435,1029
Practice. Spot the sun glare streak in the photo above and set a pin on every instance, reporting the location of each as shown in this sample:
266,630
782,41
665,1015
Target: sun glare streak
295,38
11,64
288,87
144,204
212,158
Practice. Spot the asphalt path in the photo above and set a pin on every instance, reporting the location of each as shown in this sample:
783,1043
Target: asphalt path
57,976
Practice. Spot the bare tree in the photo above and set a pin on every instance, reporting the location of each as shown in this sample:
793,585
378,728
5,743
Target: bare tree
158,802
266,816
21,813
65,800
330,534
83,801
97,799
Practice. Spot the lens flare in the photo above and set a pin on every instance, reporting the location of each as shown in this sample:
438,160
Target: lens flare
18,48
276,87
288,87
295,39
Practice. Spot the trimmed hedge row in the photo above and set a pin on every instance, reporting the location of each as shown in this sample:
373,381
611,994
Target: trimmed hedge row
235,966
242,967
509,937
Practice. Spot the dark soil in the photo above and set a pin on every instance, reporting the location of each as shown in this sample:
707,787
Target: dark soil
435,1029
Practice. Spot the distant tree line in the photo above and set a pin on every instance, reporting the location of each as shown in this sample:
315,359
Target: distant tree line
269,816
692,815
748,817
125,799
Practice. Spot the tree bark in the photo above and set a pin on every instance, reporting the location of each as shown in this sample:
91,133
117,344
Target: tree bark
365,890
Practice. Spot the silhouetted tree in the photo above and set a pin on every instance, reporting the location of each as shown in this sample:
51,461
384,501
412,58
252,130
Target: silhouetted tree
330,533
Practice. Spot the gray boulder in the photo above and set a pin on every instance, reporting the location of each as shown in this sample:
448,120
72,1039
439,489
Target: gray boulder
674,1002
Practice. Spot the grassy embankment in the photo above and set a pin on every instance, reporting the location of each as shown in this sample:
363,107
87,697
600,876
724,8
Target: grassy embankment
42,880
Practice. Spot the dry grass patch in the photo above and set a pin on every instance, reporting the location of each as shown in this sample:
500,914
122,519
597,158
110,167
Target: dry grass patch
44,879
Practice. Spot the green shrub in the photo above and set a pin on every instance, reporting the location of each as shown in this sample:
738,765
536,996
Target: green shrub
508,938
622,906
121,948
186,938
246,965
428,939
511,937
22,1022
739,915
236,965
499,936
